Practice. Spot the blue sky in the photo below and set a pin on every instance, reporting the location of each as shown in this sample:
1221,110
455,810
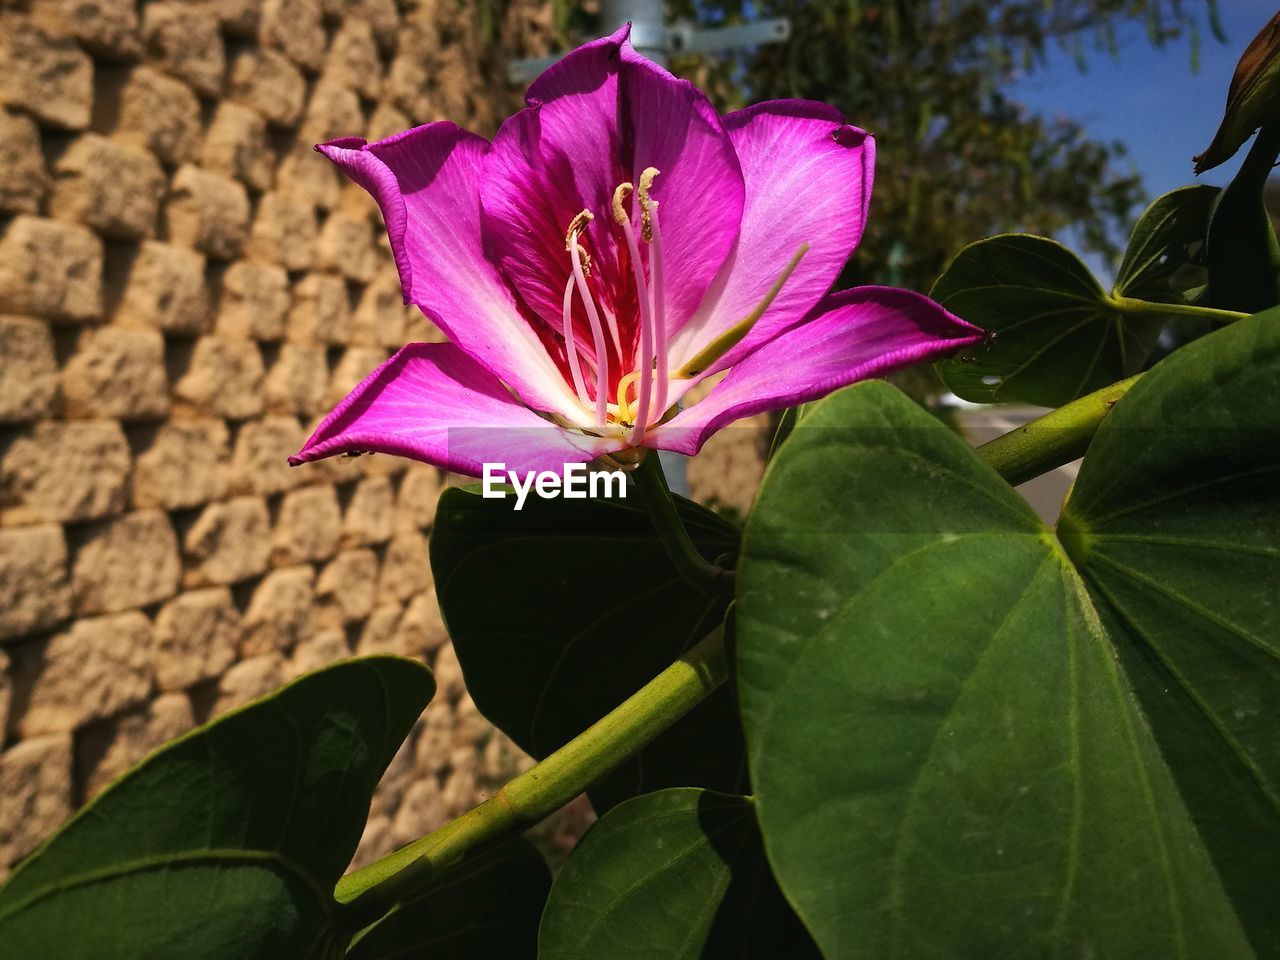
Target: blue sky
1149,98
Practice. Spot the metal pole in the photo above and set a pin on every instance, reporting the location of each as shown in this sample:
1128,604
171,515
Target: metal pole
648,26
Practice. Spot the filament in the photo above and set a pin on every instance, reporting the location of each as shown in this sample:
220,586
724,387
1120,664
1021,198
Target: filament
597,332
571,346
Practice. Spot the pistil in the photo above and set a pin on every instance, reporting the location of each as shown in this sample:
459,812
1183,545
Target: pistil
644,359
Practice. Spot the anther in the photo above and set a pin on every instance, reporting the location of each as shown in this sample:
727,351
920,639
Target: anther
647,203
576,226
620,194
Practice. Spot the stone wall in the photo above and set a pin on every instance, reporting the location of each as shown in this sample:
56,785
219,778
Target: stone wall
185,288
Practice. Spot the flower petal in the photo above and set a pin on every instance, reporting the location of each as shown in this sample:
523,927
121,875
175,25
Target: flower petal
596,119
855,335
433,402
425,182
808,179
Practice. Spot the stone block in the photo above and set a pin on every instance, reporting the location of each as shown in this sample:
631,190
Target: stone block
379,317
48,76
260,463
419,491
185,465
284,231
35,793
321,310
165,290
106,27
379,634
248,680
235,145
267,82
187,43
421,630
51,269
88,672
385,121
159,114
208,212
294,28
296,381
109,186
127,562
368,518
406,568
29,373
224,377
64,470
116,372
105,751
309,178
255,301
197,635
34,593
238,17
333,111
346,246
319,650
353,58
349,583
383,17
229,542
308,527
6,691
356,364
280,611
24,181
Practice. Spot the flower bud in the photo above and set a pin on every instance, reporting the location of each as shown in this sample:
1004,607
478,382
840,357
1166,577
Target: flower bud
1253,99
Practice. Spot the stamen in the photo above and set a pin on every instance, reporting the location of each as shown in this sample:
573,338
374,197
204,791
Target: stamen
644,352
620,194
658,293
597,332
576,226
571,346
646,202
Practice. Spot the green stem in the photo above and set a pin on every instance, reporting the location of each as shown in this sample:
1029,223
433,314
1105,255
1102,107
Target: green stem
1056,438
1135,307
372,891
651,484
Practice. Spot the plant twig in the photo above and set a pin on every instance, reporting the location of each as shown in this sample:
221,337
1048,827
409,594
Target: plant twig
369,893
651,485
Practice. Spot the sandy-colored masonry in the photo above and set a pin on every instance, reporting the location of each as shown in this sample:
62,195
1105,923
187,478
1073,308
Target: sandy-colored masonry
185,288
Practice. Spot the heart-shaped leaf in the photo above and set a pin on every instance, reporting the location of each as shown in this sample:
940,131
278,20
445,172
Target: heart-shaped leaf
1056,335
485,908
677,874
946,756
228,841
562,610
1165,257
1175,523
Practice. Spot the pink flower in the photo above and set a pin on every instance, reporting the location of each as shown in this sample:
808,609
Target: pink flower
616,243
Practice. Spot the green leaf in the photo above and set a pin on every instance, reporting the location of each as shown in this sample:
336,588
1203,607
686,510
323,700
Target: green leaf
675,874
1175,524
228,841
1056,333
562,610
1166,252
485,908
947,759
